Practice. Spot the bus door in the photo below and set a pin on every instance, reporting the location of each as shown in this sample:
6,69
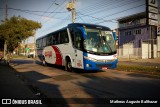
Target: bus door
77,44
78,58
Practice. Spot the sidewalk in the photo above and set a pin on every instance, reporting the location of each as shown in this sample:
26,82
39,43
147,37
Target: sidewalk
12,86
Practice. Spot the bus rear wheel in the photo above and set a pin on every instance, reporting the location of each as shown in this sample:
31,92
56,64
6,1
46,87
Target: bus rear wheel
43,62
68,66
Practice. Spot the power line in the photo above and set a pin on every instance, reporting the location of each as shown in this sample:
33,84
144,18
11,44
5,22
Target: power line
108,6
94,17
111,20
97,6
114,7
123,11
80,18
64,21
35,11
54,10
39,14
120,12
48,8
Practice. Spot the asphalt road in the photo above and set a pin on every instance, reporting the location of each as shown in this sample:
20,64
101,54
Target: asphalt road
54,82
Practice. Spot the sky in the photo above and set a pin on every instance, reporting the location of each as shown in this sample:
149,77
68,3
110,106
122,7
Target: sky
53,15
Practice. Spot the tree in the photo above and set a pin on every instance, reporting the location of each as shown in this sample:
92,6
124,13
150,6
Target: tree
15,30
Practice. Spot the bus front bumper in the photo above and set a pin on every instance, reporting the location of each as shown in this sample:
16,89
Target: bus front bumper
93,65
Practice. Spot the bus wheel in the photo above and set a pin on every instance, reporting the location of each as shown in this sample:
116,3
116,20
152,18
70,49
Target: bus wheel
69,66
43,62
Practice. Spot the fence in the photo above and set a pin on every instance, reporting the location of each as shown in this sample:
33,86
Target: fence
144,52
130,53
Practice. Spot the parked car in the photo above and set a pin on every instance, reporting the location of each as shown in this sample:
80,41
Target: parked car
30,55
1,56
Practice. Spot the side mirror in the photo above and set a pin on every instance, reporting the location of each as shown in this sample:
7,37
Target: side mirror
114,35
84,43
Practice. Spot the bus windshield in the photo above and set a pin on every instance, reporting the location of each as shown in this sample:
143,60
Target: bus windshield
99,41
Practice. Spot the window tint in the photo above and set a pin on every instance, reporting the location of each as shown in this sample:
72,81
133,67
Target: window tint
44,42
37,43
72,35
54,42
78,39
49,40
40,43
64,36
55,38
76,36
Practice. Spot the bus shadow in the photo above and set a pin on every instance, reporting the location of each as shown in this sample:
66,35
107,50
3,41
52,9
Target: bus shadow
81,71
75,70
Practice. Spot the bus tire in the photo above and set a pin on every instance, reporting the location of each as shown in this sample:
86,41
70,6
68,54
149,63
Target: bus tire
44,62
68,65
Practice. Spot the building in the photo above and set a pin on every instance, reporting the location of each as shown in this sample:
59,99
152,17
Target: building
135,37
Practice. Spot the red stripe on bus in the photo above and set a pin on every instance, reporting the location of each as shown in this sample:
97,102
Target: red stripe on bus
58,55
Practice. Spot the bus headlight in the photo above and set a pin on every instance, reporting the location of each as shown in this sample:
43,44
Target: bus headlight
115,56
101,60
92,59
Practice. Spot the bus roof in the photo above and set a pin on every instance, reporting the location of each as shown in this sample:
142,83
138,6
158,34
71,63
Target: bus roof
89,25
80,25
52,32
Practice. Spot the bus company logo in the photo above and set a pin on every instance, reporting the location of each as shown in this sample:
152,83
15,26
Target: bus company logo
48,53
6,101
79,64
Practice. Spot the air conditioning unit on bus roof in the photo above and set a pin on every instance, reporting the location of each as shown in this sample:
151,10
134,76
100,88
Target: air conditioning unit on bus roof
70,6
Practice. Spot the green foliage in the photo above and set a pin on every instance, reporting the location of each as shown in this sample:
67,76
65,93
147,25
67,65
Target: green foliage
138,68
17,29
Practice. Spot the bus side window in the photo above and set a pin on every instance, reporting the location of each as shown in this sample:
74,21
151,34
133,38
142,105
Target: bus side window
78,39
76,36
49,40
72,35
64,36
44,42
54,39
37,43
57,38
40,43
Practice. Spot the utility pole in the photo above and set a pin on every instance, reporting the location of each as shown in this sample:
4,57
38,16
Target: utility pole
5,41
35,50
152,21
73,12
152,42
6,12
71,7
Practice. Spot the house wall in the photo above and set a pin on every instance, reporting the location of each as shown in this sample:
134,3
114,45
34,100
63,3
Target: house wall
134,37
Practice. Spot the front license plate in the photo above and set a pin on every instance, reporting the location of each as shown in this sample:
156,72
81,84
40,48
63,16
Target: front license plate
104,68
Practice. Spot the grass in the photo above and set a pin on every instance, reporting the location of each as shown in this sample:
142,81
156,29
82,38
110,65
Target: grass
154,70
20,56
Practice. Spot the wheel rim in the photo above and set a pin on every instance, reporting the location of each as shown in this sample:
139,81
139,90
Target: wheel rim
43,62
69,66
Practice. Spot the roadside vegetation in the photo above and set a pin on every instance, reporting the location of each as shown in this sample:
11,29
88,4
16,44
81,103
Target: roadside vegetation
13,31
151,70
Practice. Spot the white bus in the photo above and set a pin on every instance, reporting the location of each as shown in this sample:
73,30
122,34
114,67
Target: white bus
79,45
